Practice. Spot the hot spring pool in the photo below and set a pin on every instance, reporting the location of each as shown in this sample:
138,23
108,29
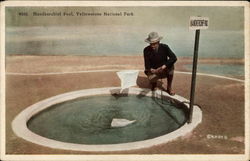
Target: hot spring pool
81,120
88,120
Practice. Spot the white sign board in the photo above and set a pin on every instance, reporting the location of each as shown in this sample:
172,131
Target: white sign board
197,23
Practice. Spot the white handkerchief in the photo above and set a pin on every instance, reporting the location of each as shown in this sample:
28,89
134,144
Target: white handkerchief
128,78
116,122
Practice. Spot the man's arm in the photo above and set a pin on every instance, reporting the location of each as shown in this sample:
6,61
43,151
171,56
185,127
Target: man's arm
172,58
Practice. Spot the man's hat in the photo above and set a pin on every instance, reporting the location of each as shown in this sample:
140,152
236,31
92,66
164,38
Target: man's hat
153,37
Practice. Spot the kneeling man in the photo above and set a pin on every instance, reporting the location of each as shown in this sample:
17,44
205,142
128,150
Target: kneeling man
159,62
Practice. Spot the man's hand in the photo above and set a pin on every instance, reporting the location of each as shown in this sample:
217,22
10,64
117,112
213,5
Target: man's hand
154,71
163,67
158,70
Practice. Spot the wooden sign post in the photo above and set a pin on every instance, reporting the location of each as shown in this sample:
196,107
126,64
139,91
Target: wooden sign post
196,23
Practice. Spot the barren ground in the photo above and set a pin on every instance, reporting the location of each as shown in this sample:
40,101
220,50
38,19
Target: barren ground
221,100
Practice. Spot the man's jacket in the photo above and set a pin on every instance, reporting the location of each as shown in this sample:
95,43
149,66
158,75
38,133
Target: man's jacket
153,59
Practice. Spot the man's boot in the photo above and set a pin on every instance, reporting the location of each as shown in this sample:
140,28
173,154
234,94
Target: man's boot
153,86
169,86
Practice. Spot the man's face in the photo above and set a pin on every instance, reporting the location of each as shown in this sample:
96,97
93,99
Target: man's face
155,45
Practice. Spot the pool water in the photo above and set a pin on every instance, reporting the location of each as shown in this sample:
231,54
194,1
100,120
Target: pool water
219,69
87,120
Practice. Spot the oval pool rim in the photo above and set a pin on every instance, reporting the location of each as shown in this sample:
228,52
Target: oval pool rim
19,124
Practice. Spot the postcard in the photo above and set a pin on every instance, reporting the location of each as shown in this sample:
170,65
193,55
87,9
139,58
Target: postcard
125,80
